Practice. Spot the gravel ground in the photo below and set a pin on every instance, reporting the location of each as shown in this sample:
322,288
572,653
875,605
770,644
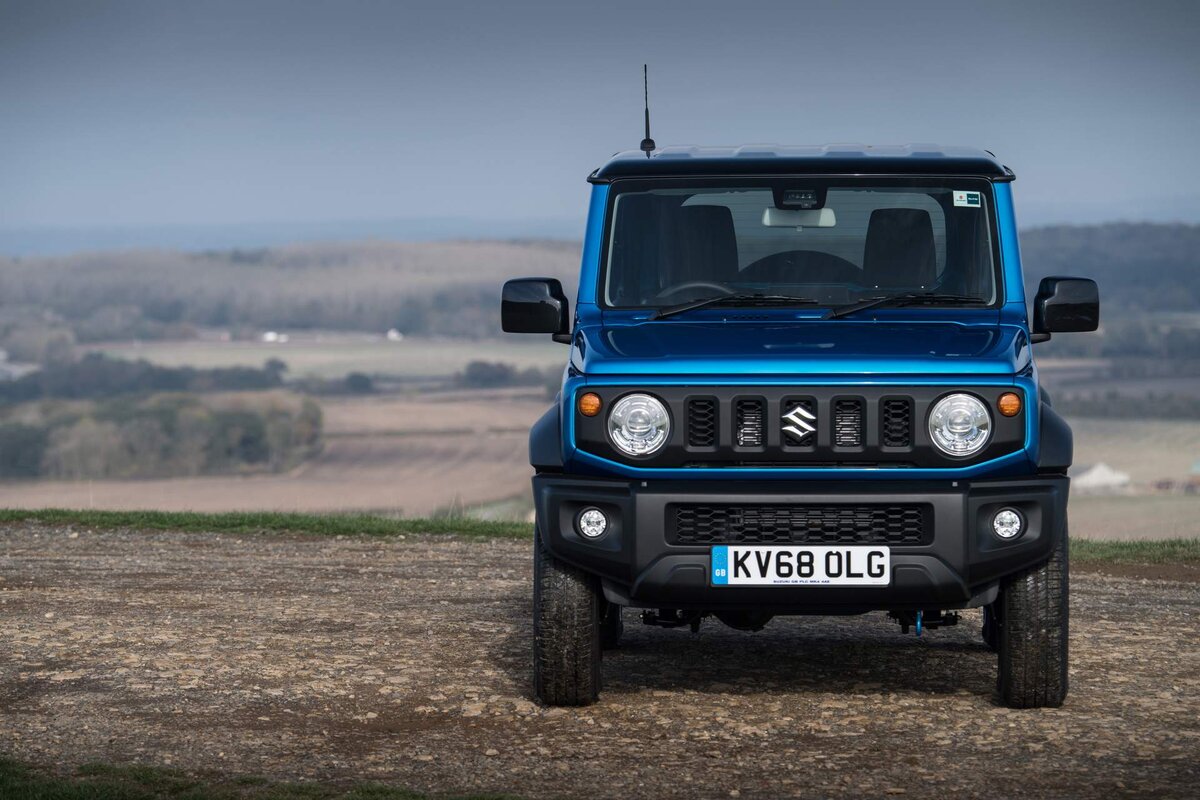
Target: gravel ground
406,661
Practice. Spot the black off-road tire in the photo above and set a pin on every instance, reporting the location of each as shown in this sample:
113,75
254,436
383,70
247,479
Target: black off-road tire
611,627
566,632
1033,616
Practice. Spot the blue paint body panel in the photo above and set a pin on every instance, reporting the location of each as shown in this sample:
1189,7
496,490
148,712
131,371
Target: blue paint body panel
958,348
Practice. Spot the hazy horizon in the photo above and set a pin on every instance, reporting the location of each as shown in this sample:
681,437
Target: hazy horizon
53,242
136,122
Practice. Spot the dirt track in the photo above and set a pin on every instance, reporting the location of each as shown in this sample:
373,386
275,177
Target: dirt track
405,661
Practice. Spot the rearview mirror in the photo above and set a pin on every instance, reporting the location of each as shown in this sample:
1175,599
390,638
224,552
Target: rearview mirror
1065,305
535,305
799,218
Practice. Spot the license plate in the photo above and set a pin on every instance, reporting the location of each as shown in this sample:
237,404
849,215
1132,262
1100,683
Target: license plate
738,565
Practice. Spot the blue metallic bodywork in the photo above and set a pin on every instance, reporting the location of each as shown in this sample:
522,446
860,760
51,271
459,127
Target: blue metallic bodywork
958,348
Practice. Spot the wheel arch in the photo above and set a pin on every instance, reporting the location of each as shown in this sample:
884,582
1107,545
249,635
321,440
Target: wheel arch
545,441
1056,450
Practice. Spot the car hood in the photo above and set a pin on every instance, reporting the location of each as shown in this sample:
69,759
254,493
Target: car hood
817,347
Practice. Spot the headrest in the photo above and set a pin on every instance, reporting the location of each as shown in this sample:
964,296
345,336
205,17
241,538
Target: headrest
657,242
705,245
900,252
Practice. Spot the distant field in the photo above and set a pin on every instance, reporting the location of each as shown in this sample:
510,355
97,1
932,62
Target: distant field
1135,518
336,354
465,452
457,452
1149,450
1073,377
420,287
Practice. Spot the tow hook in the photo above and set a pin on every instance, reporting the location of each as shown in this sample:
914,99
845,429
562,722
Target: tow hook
920,621
672,618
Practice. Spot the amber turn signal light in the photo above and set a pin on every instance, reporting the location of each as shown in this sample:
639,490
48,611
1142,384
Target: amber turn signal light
589,404
1009,404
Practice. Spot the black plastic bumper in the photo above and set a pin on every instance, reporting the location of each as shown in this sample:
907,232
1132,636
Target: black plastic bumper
961,566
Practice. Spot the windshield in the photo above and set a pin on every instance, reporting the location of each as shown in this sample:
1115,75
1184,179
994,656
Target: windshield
830,243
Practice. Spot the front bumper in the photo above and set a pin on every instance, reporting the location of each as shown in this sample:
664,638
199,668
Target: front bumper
959,567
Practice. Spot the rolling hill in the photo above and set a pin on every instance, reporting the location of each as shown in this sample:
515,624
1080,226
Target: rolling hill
452,287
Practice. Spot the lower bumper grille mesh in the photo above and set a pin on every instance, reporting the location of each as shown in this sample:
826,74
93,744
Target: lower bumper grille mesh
908,524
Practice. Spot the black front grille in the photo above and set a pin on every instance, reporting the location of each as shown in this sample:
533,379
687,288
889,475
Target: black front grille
702,422
852,427
800,524
848,422
896,422
748,423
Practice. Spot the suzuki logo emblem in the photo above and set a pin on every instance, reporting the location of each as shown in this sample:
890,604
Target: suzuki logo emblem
801,422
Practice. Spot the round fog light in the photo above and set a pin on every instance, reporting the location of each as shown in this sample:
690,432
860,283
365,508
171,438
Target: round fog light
592,523
1007,523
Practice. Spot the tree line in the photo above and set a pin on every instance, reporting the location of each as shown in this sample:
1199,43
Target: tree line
157,436
101,417
95,375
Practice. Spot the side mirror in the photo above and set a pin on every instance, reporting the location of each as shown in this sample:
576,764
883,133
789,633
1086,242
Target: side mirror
535,305
1065,305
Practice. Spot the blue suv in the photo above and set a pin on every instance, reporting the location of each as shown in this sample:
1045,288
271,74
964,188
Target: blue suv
801,381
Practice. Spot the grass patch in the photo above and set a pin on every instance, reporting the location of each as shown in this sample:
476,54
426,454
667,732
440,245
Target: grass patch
1166,551
1092,551
270,522
108,782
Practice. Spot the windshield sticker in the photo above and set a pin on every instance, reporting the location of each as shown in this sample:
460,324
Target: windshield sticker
967,199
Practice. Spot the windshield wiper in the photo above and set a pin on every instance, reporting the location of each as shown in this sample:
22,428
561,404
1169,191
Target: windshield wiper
906,299
734,298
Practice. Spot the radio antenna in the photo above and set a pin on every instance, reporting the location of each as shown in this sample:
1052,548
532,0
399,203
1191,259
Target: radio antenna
647,145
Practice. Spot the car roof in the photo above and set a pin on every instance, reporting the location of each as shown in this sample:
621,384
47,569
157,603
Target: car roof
832,159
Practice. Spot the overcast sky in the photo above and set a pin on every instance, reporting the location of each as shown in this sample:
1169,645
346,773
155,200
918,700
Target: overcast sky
210,113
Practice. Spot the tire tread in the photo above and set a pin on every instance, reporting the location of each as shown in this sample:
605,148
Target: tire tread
566,632
1033,616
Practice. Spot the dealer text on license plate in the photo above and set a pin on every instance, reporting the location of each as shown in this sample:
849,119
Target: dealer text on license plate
743,565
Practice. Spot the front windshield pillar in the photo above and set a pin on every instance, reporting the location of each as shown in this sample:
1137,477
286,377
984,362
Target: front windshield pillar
593,245
1014,310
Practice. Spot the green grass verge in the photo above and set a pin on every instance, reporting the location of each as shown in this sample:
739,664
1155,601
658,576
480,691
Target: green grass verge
269,522
1166,551
106,782
1082,550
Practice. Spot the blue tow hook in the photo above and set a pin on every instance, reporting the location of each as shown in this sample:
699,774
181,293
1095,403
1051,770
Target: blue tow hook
919,615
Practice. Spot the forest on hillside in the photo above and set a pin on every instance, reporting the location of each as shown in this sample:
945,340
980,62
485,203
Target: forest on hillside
433,288
1140,267
1149,277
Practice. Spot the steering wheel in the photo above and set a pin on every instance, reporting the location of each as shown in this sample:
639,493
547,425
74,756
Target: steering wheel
679,287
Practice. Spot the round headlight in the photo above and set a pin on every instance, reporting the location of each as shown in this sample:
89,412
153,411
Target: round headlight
638,424
960,424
